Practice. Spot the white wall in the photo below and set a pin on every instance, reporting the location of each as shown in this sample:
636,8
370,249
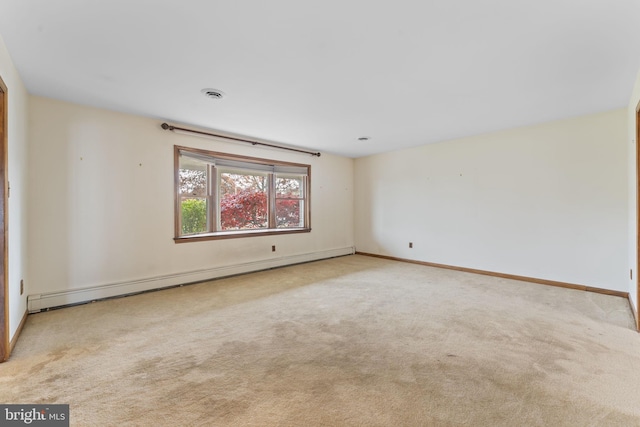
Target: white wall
17,170
632,187
546,201
102,207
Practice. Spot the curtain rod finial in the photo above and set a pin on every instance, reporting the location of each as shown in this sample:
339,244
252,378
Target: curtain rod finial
165,126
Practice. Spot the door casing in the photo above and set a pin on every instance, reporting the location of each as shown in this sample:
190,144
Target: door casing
4,286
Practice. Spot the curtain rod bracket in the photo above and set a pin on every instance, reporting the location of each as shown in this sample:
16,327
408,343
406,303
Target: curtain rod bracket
167,126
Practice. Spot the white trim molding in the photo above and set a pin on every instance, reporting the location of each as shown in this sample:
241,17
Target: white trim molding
43,301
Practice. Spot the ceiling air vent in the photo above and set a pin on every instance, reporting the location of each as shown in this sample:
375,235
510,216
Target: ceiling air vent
213,93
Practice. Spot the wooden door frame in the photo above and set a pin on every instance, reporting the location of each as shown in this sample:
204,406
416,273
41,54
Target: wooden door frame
5,346
637,307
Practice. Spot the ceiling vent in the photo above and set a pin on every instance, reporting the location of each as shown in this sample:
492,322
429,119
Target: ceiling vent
213,93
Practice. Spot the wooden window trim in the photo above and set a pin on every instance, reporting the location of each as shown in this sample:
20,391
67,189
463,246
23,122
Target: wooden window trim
221,235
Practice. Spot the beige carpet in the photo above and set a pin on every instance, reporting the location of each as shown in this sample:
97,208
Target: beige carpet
351,341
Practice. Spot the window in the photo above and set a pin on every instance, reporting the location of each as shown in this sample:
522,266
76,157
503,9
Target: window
224,196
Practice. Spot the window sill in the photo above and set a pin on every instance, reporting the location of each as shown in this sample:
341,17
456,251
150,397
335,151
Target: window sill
238,234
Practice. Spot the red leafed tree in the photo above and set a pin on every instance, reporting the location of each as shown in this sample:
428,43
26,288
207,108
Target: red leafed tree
247,209
288,212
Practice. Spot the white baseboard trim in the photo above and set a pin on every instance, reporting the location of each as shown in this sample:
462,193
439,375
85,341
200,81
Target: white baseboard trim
39,302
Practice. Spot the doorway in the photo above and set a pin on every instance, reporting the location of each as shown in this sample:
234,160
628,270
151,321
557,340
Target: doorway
4,291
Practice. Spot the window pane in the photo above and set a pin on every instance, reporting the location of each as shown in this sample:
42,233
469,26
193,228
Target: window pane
289,213
193,177
289,186
243,200
194,215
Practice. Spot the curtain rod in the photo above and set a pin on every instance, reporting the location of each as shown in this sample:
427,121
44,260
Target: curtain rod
167,126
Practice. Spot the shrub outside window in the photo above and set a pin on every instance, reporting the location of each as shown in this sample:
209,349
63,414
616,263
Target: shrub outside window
224,196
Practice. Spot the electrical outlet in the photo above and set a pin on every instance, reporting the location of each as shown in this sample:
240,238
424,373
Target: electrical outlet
21,287
410,244
273,248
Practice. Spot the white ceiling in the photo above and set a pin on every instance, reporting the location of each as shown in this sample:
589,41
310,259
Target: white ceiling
321,74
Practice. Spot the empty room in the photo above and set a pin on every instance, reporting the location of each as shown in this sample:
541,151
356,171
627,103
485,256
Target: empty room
220,213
